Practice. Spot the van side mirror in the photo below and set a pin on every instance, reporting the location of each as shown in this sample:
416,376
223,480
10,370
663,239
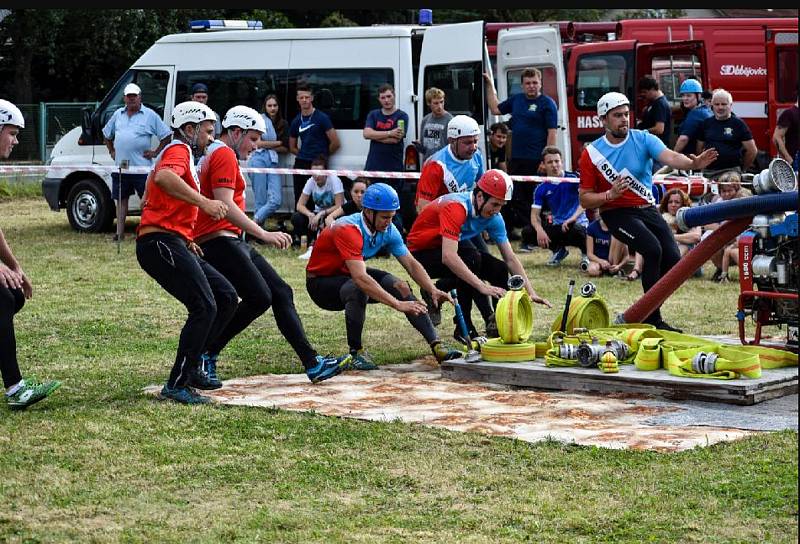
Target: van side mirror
86,137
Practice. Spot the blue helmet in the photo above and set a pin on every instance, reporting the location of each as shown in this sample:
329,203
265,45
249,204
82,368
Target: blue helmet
381,197
690,86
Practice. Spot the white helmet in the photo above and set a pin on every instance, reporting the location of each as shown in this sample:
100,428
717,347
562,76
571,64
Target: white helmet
191,112
10,114
462,125
611,100
245,118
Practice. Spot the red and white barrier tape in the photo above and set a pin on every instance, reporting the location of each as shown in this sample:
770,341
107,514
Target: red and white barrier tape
102,169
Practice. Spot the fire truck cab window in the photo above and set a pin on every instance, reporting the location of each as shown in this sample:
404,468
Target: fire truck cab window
597,75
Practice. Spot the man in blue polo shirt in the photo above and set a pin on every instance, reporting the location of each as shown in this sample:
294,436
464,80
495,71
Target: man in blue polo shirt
535,120
128,135
311,134
565,224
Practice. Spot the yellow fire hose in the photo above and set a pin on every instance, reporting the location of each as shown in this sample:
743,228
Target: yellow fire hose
585,312
514,314
650,349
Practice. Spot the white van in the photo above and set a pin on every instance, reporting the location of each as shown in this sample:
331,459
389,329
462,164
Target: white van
345,67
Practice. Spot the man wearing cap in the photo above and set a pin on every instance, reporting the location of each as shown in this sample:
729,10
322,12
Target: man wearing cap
128,134
200,94
616,176
440,241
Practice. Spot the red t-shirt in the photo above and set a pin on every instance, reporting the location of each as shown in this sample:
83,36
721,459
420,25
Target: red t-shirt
219,169
431,182
439,219
164,211
336,244
593,180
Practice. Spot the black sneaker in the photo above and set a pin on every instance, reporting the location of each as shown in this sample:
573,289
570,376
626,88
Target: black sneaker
717,275
664,326
491,327
200,380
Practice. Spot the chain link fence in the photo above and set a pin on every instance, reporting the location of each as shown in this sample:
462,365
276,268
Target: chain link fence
45,124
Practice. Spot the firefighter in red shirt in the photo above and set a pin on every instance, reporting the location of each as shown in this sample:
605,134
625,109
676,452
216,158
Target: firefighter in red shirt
166,251
338,278
441,240
258,284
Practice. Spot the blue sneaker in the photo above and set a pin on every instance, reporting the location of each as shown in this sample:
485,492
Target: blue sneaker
184,395
209,365
558,256
327,367
526,248
198,379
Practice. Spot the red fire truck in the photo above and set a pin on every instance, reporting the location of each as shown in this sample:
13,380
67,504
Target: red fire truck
754,59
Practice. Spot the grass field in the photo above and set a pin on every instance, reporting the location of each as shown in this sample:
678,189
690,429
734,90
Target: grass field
100,461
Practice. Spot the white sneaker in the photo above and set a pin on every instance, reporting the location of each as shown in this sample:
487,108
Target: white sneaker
307,255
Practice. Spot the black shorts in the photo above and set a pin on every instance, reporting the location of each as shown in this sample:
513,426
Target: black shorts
130,182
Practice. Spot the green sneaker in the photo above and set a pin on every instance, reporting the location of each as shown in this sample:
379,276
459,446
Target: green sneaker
361,360
445,353
30,393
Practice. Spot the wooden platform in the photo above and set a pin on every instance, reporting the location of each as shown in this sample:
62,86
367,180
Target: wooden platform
534,374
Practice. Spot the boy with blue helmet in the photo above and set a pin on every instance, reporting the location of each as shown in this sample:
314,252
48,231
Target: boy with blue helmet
337,277
692,99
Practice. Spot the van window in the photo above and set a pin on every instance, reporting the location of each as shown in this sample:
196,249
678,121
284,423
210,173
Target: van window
347,95
462,84
549,81
154,85
232,88
599,74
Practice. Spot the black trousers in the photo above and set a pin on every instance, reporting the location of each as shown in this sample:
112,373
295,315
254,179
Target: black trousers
299,180
260,287
210,299
517,213
11,302
484,265
575,236
338,293
646,233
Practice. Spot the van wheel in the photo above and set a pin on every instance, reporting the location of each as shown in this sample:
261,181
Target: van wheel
89,207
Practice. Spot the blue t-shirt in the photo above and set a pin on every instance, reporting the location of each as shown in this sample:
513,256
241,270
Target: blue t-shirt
726,137
601,239
374,242
310,133
132,134
532,118
658,111
561,199
381,156
692,125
